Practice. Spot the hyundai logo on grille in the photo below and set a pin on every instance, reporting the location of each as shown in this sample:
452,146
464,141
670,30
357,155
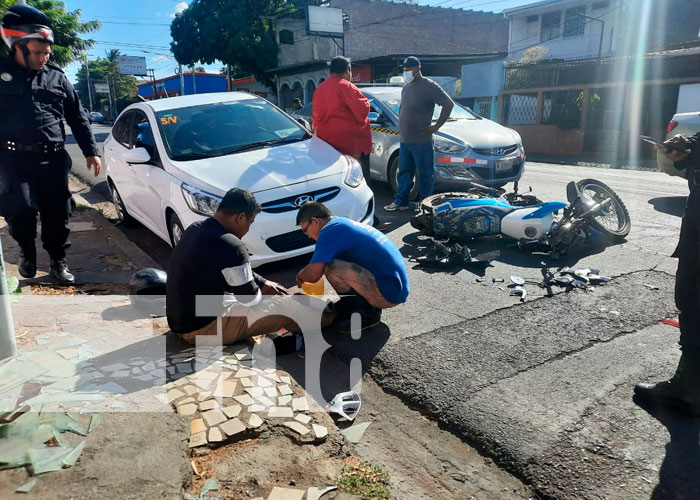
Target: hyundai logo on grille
500,151
303,199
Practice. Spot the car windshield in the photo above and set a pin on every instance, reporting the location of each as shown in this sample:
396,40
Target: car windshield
218,129
459,112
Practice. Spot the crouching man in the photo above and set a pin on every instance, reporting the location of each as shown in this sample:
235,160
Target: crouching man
211,262
358,261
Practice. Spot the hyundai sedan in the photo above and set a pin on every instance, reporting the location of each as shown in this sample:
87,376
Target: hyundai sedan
169,162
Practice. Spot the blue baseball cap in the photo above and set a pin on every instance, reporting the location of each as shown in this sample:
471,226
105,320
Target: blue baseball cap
411,62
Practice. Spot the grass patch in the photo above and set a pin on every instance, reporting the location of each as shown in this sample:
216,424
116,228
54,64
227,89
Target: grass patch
79,207
365,479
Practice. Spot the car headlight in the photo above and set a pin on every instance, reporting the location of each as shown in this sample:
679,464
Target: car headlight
200,202
354,176
450,147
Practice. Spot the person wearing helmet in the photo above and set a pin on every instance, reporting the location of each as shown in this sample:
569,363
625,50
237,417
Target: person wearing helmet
35,98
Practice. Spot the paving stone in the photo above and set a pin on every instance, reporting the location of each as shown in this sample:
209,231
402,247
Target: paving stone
300,404
274,377
174,394
285,390
244,399
209,404
263,382
215,435
265,401
285,379
278,493
255,392
231,411
203,396
243,372
197,425
271,392
304,419
183,367
320,431
233,427
198,439
206,375
189,389
297,427
257,408
226,388
255,421
214,417
186,400
284,400
280,412
246,382
187,409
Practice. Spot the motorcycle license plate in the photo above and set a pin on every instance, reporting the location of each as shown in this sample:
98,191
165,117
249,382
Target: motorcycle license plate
504,165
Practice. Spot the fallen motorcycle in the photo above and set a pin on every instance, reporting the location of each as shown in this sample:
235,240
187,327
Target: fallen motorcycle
553,227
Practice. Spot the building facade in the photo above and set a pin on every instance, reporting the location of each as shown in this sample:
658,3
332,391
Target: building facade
170,86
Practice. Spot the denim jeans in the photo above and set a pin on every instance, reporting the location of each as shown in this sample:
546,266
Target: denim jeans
412,156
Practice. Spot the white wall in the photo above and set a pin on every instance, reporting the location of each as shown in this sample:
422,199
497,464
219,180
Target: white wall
524,34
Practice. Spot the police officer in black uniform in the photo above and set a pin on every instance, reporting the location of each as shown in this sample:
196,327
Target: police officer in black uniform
682,391
35,96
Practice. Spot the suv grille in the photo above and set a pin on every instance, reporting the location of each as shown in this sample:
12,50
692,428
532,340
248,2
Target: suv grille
506,150
295,202
289,241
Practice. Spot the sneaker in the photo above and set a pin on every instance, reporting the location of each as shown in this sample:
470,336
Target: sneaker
59,271
27,262
393,207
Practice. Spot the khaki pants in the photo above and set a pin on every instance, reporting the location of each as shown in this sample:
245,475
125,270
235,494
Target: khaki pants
239,322
346,276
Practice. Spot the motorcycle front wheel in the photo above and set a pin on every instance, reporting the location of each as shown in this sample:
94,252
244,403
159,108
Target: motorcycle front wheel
429,203
614,220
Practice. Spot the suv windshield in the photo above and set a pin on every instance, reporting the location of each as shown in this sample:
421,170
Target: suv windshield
459,112
223,128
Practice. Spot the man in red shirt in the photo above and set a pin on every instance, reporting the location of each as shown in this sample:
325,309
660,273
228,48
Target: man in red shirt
341,114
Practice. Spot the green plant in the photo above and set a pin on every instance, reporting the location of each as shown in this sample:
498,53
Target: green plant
366,479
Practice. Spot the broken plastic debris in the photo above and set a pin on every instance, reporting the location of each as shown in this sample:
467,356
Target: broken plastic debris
27,487
355,432
72,457
672,322
48,459
345,404
314,493
211,484
650,286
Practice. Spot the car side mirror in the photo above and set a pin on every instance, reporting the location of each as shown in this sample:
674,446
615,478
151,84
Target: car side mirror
137,155
304,123
375,117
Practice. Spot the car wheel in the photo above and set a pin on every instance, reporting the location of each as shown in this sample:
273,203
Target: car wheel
122,213
175,229
394,179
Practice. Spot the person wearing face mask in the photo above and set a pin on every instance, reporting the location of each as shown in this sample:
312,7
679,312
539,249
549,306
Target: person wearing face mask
418,99
341,114
35,98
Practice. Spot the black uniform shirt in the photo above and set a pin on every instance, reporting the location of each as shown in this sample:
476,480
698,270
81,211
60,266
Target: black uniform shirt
208,261
33,103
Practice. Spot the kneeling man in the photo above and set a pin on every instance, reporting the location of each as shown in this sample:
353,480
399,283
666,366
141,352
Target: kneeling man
211,262
356,259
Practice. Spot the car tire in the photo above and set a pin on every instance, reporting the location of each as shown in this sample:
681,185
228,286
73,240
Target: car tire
394,182
175,229
118,202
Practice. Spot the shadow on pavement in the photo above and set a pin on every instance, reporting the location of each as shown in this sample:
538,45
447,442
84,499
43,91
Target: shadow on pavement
682,461
671,205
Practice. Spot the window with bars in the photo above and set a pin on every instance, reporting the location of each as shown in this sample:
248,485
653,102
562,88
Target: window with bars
551,26
574,23
563,108
482,106
287,37
520,109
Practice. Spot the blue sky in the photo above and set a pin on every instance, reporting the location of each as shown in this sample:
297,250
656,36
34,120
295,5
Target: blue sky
145,24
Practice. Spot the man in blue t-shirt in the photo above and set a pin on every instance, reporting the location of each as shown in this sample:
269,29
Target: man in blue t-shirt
357,260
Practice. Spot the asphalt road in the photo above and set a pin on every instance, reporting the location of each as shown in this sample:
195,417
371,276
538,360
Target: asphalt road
544,386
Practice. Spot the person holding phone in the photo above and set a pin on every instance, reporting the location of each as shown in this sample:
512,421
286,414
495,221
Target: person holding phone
682,391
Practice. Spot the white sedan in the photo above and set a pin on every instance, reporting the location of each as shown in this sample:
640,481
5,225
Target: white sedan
169,162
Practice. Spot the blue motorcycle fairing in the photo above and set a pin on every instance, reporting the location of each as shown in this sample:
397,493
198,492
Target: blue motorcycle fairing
468,202
545,209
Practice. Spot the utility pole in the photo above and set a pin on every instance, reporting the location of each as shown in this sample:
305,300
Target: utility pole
602,31
182,80
8,342
194,82
87,73
153,83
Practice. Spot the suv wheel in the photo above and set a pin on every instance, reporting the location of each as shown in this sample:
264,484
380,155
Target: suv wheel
394,179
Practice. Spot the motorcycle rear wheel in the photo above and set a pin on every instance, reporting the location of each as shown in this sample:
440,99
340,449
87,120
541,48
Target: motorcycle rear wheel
614,222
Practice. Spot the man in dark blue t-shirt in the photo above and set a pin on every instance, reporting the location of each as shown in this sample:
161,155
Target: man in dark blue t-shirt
356,259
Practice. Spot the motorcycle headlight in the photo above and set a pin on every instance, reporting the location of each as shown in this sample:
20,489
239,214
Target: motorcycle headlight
200,202
353,177
450,147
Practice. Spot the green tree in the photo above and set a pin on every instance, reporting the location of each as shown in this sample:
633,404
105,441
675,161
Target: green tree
67,28
106,70
236,32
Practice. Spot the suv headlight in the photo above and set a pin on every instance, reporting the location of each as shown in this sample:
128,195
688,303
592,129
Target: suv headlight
450,147
354,176
200,202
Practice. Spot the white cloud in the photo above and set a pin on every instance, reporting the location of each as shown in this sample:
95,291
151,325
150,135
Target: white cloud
158,14
179,8
160,58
